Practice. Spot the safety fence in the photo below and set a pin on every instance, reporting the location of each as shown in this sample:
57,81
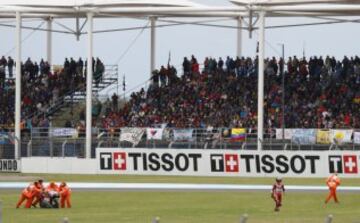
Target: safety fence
70,142
243,219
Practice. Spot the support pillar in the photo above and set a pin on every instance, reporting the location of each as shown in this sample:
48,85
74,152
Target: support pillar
49,40
152,45
239,38
89,80
261,56
18,86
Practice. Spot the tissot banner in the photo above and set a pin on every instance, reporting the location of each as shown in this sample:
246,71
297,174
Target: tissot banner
227,162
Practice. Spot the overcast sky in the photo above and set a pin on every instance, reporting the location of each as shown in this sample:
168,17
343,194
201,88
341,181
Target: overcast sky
337,40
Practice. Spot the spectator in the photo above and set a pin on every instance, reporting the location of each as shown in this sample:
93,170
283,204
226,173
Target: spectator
10,66
227,98
114,99
39,91
99,71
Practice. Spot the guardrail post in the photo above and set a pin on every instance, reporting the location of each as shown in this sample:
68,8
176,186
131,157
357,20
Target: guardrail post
1,212
285,146
29,148
17,153
63,148
243,147
329,219
156,220
51,146
244,218
65,220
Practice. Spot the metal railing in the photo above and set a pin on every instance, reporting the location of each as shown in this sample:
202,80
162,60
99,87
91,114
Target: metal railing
44,142
77,94
243,219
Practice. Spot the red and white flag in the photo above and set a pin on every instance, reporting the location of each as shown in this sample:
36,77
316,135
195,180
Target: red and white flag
154,133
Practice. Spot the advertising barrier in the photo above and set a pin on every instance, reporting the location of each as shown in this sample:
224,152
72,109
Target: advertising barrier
226,162
7,165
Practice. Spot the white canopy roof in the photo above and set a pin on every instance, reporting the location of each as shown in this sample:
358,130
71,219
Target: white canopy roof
313,8
78,8
176,8
292,2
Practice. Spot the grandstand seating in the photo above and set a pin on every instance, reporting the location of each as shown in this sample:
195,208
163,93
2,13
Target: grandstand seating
319,93
44,91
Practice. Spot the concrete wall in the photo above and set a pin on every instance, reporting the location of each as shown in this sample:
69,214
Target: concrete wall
58,165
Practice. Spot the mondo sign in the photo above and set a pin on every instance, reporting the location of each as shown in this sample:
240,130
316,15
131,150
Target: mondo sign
226,162
9,165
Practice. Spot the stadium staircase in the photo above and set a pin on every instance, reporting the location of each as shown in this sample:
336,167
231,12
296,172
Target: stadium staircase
78,95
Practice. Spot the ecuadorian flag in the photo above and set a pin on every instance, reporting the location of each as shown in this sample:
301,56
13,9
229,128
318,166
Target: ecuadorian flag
238,134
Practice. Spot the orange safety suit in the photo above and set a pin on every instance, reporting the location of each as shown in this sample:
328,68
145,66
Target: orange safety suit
332,182
52,187
36,194
65,194
26,194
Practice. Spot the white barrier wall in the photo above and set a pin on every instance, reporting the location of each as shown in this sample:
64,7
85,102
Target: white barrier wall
233,163
67,165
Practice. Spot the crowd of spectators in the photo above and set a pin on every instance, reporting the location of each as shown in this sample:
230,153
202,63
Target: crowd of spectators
41,88
319,93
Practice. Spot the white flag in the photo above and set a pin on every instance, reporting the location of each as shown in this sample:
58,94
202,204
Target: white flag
288,133
340,136
357,137
132,135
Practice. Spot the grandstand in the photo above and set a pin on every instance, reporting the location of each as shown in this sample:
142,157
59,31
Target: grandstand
197,125
189,101
213,100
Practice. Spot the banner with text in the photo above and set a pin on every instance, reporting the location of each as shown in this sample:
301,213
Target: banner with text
323,136
183,134
64,132
7,165
227,162
304,136
132,135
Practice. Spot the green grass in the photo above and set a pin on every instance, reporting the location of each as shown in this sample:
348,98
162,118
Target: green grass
187,207
183,207
168,179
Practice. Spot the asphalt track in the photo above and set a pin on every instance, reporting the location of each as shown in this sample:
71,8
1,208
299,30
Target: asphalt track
179,187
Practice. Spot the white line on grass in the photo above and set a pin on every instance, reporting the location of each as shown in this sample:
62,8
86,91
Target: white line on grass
179,186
